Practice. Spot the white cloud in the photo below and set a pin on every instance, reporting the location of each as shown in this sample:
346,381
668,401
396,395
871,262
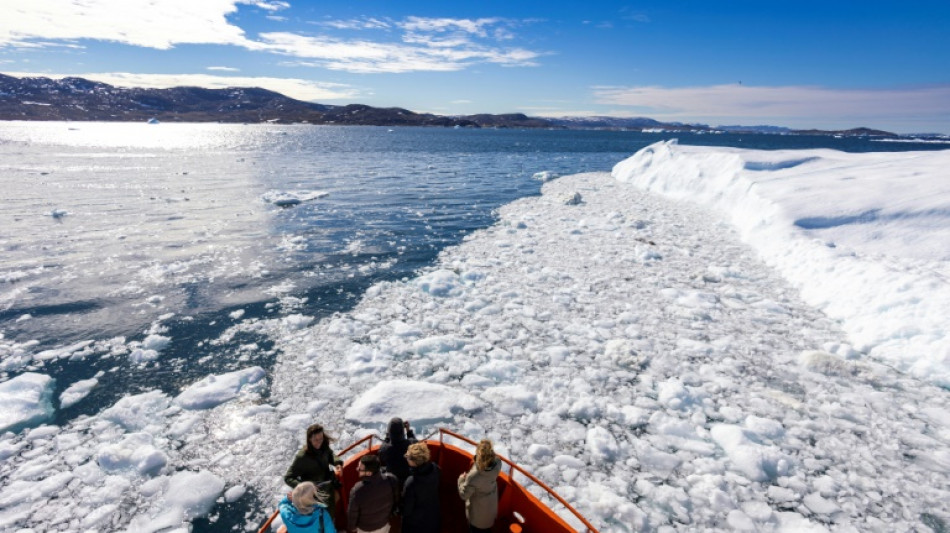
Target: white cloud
356,24
439,25
224,69
295,88
368,56
813,104
270,6
427,44
146,23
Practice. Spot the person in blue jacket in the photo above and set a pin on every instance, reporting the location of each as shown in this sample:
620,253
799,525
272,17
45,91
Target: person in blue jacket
303,511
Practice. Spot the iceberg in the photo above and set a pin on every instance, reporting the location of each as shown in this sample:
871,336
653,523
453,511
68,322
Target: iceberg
26,401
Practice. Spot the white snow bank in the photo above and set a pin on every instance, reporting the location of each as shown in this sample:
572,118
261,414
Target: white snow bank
866,237
26,401
418,401
216,389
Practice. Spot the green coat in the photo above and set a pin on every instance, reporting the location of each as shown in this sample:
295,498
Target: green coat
314,466
311,465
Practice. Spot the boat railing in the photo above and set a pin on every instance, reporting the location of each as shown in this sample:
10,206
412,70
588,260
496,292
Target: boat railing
367,439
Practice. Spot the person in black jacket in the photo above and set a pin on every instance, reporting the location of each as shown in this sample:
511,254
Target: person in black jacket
393,450
420,495
316,463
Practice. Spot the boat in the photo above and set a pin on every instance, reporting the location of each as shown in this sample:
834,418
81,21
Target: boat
520,510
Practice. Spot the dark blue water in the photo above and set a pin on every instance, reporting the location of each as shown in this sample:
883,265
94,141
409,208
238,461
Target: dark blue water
167,231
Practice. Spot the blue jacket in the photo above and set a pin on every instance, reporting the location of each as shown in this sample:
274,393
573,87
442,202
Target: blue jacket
319,521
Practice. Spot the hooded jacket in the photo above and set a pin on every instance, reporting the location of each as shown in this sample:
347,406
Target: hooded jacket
420,499
479,489
393,450
319,521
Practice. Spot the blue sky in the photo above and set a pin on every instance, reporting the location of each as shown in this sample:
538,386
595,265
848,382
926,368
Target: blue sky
830,64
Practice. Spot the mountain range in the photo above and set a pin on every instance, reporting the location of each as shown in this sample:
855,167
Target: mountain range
81,99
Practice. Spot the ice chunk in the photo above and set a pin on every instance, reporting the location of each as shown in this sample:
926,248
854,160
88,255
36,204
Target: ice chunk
137,412
188,495
296,321
135,453
571,198
755,461
234,493
545,175
77,391
26,401
291,198
601,445
156,342
141,355
216,389
819,505
440,283
411,400
440,344
512,400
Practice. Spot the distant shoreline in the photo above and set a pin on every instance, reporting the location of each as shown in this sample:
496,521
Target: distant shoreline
82,100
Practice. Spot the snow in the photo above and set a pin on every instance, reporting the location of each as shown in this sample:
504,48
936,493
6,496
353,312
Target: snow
705,339
865,237
26,401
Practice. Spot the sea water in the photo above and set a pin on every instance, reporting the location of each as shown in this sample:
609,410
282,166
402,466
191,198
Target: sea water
127,249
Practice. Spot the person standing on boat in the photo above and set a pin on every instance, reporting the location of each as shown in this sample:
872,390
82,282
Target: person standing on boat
316,463
374,498
393,450
420,495
303,511
479,489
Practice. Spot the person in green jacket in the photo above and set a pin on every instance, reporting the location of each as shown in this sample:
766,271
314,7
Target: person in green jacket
316,463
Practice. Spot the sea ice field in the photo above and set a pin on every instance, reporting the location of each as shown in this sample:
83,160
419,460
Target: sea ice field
703,339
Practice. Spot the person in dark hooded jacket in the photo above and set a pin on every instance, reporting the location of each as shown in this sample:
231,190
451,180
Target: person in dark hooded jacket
420,495
393,450
315,463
